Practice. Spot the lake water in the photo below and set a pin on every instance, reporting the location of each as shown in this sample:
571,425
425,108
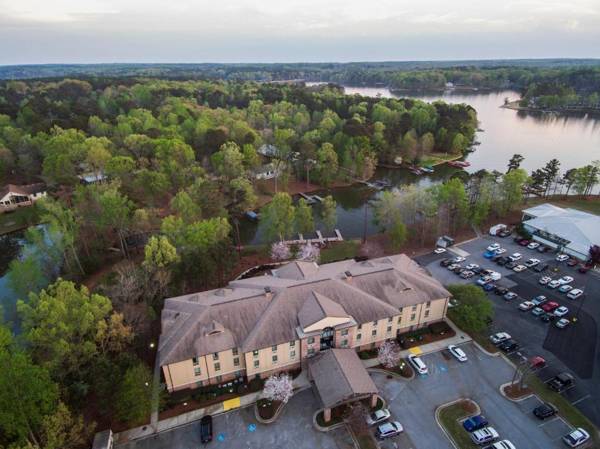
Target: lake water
573,140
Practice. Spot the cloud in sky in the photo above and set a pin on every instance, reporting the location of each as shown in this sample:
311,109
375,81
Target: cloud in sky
55,31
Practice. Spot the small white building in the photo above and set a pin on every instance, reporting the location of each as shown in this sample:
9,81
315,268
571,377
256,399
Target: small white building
14,196
569,230
267,171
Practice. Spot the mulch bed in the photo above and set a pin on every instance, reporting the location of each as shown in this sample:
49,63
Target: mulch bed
267,409
515,391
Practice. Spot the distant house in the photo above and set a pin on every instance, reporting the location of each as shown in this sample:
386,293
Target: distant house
268,150
267,171
14,196
92,178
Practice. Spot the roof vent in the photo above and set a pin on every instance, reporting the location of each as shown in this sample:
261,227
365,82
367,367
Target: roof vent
267,289
268,293
348,274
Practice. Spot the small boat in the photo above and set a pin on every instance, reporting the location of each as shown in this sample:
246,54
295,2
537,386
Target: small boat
252,215
415,170
427,169
459,164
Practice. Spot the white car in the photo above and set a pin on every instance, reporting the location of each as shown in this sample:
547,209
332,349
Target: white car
484,280
562,257
493,247
526,305
565,280
519,268
458,259
553,284
458,353
389,429
544,280
532,263
565,288
504,444
539,300
500,251
575,293
533,245
495,276
561,311
516,256
417,364
576,437
439,250
485,435
537,311
471,266
562,323
378,416
499,337
453,266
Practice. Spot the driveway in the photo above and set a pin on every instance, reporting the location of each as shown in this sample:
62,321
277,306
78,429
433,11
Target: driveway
414,403
239,429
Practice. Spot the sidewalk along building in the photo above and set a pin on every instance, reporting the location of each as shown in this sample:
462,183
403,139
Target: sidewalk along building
14,196
570,231
274,323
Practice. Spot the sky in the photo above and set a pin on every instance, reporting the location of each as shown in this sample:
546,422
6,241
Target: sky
91,31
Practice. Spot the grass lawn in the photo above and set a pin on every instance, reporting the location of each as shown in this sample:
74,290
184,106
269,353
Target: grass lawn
450,418
19,219
340,251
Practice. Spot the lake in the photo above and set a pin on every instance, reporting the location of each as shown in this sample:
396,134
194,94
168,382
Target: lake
573,140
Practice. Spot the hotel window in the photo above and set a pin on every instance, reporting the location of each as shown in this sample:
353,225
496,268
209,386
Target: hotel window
375,323
358,336
412,316
344,343
197,371
292,354
428,304
414,308
195,361
390,319
219,378
389,329
399,319
236,361
217,367
274,348
255,353
311,340
256,363
274,358
374,332
292,343
426,313
216,356
234,351
199,383
344,332
310,351
359,327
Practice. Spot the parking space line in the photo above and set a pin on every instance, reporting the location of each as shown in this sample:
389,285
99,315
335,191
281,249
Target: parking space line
587,396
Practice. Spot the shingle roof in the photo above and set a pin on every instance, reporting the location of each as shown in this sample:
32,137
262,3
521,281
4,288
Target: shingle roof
339,375
27,189
249,318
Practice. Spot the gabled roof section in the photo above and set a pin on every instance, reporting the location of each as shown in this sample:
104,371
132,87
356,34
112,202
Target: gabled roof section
318,307
28,189
297,270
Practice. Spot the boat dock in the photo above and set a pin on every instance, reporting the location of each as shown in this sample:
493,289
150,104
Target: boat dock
311,199
320,239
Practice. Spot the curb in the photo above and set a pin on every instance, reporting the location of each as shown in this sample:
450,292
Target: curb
391,373
527,396
448,404
325,429
481,348
270,420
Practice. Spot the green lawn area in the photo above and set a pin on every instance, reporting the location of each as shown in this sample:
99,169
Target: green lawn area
450,418
19,219
439,158
340,251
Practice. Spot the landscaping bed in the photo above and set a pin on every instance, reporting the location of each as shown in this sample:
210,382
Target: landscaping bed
425,335
404,370
451,417
515,391
267,409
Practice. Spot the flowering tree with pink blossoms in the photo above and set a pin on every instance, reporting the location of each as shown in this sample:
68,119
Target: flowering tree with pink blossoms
389,354
309,252
279,388
280,251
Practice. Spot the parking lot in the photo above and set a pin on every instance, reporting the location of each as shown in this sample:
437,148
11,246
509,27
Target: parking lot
414,403
572,349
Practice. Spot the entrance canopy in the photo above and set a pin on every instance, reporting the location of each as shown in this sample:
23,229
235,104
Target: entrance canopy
340,376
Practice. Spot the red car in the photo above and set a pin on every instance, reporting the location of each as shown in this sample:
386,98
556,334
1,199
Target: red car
524,242
550,306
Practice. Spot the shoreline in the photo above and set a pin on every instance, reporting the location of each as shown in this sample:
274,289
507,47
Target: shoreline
514,105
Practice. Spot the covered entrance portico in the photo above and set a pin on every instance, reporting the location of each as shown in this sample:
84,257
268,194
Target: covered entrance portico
339,378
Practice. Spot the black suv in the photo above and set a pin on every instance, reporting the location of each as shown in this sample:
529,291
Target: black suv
502,261
500,290
446,262
540,267
561,382
545,410
206,430
508,346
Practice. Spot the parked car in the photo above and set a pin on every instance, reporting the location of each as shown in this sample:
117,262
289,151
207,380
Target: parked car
539,300
543,249
575,293
510,265
550,306
439,250
378,416
565,288
561,311
499,337
504,444
493,247
540,267
206,429
484,280
526,306
504,233
500,290
553,284
475,423
445,262
489,254
467,274
576,437
472,266
485,435
545,410
562,257
389,429
562,323
572,262
417,364
457,269
502,261
489,287
452,266
547,317
561,382
495,275
515,256
458,259
537,362
458,353
508,346
565,280
533,245
583,269
477,270
537,311
500,251
532,263
523,242
545,280
496,257
509,296
519,268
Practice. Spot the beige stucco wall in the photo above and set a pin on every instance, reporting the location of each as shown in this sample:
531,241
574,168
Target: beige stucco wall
265,358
